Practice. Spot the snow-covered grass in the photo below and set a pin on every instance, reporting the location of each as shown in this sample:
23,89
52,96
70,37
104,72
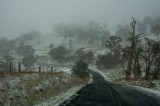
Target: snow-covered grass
109,74
57,100
113,75
29,88
118,76
147,91
94,68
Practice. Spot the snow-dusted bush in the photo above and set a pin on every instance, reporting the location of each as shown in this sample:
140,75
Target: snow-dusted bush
80,69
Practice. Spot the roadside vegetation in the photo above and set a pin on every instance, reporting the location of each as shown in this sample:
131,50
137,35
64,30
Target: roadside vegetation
30,88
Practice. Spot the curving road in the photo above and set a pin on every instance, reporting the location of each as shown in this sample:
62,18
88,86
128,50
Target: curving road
103,93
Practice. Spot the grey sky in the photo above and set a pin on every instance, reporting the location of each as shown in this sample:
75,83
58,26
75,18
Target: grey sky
20,16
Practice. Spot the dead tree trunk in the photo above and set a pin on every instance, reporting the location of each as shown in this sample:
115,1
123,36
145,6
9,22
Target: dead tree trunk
133,55
132,48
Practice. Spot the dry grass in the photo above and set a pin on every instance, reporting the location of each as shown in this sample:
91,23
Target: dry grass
53,89
7,74
59,82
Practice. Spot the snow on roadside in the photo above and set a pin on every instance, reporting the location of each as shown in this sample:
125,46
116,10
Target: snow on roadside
56,101
109,74
65,69
150,92
59,99
94,68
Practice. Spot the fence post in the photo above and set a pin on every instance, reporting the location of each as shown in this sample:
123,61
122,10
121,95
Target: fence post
10,67
19,67
39,69
33,67
47,68
51,69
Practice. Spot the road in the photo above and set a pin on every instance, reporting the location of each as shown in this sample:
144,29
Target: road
103,93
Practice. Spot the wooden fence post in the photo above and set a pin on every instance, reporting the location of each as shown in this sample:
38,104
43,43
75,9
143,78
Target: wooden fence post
19,67
47,68
33,67
51,69
10,67
39,69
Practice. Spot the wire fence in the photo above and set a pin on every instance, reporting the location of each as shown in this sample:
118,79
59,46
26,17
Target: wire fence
19,67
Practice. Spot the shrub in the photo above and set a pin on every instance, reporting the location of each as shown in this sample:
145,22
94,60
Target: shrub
7,63
59,53
25,50
80,69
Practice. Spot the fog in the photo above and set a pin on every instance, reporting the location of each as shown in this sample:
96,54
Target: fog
21,16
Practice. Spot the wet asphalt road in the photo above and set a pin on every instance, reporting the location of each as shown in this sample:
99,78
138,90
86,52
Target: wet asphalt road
103,93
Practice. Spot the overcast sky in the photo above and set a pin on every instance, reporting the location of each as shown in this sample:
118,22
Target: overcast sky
21,16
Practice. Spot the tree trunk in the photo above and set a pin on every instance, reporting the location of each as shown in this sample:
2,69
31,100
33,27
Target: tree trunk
128,71
147,72
10,67
138,66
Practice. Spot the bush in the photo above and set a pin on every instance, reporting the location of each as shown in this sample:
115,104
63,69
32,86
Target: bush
7,63
29,60
80,69
59,54
6,46
25,50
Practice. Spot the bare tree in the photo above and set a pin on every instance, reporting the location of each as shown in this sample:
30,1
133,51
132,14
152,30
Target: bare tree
150,55
133,63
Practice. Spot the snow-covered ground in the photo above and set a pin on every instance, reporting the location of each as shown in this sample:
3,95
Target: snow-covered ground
29,88
57,100
151,92
114,74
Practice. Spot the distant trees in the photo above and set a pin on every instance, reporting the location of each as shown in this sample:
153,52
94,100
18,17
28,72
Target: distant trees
155,27
88,33
156,30
93,30
59,54
8,59
24,50
51,45
80,69
65,30
151,56
113,58
87,56
113,43
104,35
6,46
29,60
108,60
141,27
30,36
123,32
157,66
7,63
